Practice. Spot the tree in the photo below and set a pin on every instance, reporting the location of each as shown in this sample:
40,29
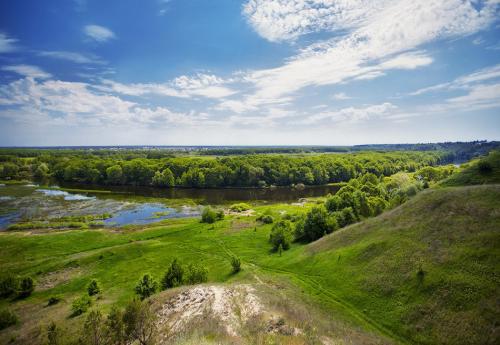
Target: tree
140,323
174,275
317,224
235,264
42,171
94,332
196,274
164,179
146,287
346,217
26,287
115,330
114,174
93,288
281,235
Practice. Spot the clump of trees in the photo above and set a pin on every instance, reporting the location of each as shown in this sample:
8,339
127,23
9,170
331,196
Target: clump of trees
281,235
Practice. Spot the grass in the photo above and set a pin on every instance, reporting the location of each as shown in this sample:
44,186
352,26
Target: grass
426,272
480,171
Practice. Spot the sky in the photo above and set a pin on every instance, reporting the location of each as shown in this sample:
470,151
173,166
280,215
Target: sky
250,72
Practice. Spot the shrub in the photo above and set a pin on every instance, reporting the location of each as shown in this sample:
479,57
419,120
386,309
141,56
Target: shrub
196,274
208,215
235,264
266,219
93,288
9,284
281,235
26,287
484,167
53,300
7,318
174,275
115,327
345,217
53,334
139,323
240,207
81,305
94,332
146,287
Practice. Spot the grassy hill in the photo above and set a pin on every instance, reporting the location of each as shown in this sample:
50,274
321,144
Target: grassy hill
426,272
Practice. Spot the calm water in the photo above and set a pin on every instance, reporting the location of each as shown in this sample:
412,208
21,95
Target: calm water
218,196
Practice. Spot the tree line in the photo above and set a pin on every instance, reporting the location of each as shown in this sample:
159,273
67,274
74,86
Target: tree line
212,172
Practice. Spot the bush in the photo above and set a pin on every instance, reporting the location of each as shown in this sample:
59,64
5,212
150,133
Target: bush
484,167
53,300
174,276
208,215
53,334
139,323
115,327
345,217
9,284
316,224
146,287
81,305
26,287
7,318
235,264
281,235
93,288
240,207
196,274
266,219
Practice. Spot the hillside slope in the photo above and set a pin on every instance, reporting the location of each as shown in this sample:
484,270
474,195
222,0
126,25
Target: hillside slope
428,271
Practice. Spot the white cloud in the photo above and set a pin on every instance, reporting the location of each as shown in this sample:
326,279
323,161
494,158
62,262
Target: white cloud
373,37
72,56
7,44
200,85
99,33
463,82
56,102
27,71
350,114
341,96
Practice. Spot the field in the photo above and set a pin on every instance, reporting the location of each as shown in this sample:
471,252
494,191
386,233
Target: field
425,272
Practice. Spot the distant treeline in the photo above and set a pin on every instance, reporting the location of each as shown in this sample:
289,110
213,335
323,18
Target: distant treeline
458,151
202,172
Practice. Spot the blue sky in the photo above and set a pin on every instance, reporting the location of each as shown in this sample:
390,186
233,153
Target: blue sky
251,72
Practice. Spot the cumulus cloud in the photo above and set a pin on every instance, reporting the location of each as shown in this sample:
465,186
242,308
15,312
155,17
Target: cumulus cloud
62,102
27,71
98,33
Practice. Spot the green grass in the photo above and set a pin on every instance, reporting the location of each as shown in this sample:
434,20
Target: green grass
481,171
366,274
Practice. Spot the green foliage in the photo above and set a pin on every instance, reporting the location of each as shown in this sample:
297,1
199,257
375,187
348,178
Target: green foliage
235,264
146,287
54,335
93,288
9,285
81,305
139,323
114,174
196,274
115,327
94,332
209,215
7,318
174,275
241,207
266,218
26,287
317,223
483,171
53,300
164,178
281,235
